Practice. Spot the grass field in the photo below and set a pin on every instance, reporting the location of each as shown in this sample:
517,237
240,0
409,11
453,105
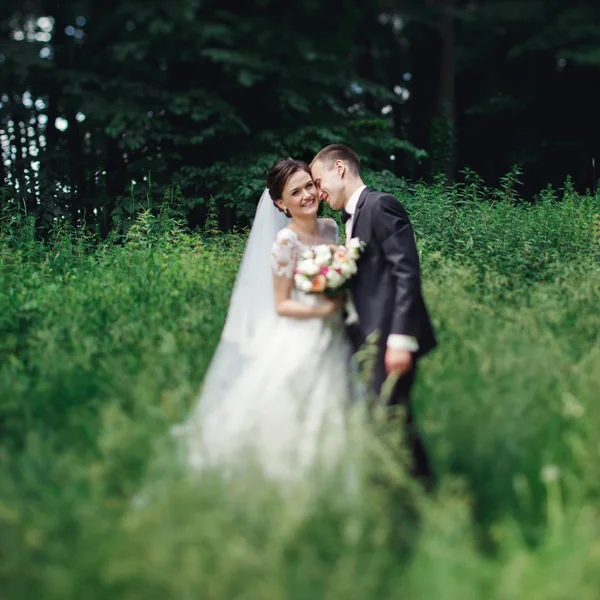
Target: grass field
103,346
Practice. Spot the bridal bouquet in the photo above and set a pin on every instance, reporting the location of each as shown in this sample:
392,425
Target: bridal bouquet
326,269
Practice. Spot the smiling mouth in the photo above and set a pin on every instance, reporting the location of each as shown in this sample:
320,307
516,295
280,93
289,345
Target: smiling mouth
307,203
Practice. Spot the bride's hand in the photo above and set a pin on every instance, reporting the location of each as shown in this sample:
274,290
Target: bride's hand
329,307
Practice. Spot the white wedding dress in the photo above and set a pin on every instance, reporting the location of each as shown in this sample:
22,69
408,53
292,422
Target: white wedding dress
285,409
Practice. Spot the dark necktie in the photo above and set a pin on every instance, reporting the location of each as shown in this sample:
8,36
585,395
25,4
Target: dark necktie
346,216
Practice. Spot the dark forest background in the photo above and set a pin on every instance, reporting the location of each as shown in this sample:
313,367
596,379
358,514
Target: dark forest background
109,106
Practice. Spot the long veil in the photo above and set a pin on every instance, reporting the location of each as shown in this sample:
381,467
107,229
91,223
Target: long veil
251,307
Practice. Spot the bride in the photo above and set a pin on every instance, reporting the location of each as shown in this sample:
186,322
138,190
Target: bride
278,387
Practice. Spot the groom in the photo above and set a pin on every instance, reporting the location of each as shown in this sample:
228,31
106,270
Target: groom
387,288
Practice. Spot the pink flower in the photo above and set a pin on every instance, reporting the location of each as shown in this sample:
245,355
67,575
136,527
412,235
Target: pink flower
319,283
324,270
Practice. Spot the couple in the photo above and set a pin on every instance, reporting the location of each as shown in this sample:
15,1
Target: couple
280,383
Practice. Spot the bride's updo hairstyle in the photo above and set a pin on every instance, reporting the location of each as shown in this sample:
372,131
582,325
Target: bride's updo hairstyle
278,175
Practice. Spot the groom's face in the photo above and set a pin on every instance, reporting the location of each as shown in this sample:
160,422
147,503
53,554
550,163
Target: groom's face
330,184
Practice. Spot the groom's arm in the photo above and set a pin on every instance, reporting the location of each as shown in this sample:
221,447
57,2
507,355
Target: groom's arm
392,228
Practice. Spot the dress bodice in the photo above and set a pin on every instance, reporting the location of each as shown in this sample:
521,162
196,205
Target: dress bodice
288,249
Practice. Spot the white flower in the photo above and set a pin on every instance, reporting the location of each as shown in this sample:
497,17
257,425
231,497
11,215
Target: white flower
571,406
322,249
308,267
334,279
354,246
349,268
550,473
306,286
299,280
322,255
308,255
322,260
353,253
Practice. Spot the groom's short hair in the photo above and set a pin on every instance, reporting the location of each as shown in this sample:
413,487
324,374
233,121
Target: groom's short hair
334,152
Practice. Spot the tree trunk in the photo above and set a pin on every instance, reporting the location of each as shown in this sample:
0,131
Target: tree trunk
425,52
446,108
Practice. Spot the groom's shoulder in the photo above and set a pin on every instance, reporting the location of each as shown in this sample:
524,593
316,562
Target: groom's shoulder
384,201
381,196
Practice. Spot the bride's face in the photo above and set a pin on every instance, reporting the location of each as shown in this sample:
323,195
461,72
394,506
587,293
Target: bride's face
300,196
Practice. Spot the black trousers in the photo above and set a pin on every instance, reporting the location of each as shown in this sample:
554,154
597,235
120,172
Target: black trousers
401,396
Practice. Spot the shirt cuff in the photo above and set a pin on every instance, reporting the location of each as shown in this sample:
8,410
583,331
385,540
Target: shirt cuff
397,341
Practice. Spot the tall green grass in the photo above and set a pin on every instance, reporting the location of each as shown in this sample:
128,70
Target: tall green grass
103,346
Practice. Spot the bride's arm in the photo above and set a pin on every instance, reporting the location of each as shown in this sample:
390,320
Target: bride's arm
285,255
287,307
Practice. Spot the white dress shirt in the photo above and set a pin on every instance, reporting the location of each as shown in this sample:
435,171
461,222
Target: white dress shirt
351,209
395,341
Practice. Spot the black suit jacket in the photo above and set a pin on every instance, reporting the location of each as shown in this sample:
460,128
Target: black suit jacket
387,288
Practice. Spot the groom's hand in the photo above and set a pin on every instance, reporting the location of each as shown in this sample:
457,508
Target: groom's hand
398,362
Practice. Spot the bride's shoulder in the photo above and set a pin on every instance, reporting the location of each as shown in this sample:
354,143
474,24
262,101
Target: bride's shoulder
327,223
286,235
329,228
284,253
285,240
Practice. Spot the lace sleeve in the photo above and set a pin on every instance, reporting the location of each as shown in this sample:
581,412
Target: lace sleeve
284,254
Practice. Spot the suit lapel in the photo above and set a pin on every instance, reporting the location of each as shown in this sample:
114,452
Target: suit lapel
361,201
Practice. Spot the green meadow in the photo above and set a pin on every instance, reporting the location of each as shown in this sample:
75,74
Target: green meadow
103,347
